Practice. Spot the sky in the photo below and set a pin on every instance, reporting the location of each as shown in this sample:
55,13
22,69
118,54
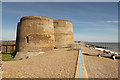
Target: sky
92,21
0,21
59,0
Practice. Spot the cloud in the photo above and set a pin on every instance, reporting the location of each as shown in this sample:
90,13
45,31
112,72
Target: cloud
103,29
113,21
19,12
94,38
99,23
8,34
97,26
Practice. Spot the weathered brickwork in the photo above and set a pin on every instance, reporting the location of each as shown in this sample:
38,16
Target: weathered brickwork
17,37
36,33
63,33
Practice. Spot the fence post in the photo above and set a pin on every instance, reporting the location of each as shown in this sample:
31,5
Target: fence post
6,49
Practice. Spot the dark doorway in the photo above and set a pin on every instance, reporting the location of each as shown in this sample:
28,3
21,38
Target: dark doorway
27,39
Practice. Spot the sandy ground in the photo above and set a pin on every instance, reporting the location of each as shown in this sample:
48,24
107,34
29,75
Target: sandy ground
99,67
53,64
0,67
119,69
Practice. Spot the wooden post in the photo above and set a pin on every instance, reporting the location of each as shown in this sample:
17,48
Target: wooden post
6,49
10,49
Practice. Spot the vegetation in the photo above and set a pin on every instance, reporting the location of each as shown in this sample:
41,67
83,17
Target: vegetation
7,52
7,57
20,59
55,48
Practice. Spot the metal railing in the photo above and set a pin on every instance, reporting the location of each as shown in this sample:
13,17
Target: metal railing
74,46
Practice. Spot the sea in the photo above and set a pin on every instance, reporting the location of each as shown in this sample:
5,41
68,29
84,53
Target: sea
113,46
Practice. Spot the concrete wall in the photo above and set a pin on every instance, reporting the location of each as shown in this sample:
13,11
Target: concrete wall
63,33
25,55
36,34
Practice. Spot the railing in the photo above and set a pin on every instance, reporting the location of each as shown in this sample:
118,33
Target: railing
74,46
8,48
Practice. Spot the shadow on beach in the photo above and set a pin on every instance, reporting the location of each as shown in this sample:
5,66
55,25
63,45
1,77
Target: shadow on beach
105,56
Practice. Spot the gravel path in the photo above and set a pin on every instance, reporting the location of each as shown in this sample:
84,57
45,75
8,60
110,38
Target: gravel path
52,64
0,66
99,67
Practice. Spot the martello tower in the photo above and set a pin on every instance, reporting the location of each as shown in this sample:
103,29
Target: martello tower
63,33
39,33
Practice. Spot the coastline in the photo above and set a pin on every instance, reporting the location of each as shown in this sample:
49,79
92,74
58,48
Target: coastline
102,48
99,67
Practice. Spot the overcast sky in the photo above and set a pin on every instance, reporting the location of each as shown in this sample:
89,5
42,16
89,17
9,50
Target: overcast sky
92,21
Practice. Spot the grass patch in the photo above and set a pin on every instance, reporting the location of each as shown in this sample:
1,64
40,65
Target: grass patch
7,52
7,57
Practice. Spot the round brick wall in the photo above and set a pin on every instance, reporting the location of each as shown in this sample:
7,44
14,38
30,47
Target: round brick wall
63,31
36,34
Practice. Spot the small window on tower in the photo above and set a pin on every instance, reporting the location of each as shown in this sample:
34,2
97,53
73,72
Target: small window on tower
27,39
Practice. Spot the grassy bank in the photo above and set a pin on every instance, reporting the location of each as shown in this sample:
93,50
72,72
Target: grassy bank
7,57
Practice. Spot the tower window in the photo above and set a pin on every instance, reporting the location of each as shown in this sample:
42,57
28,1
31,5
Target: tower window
27,39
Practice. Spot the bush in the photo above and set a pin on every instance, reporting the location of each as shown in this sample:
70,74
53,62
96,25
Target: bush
55,48
20,58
